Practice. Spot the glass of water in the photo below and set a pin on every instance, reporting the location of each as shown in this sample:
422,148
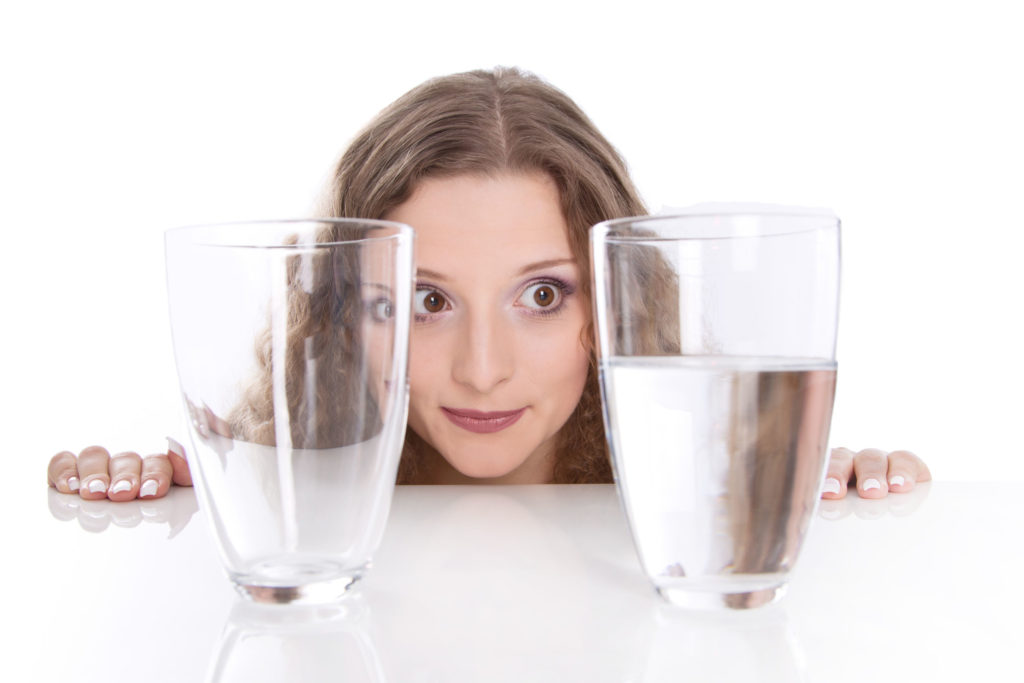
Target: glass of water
716,339
291,342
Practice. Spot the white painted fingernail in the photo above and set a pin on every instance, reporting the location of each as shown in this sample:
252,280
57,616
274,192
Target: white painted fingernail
148,488
175,447
73,483
832,485
123,485
97,486
896,480
870,484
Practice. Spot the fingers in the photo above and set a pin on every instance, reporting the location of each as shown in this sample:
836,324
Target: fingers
95,475
905,471
157,475
93,471
875,472
133,477
125,476
840,471
62,472
176,455
870,467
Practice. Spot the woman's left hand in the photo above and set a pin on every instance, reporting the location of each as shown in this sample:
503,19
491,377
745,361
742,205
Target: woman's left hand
875,473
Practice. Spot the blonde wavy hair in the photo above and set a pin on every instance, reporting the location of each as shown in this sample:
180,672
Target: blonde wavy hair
479,123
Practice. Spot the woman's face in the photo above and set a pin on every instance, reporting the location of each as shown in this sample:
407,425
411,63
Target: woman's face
497,363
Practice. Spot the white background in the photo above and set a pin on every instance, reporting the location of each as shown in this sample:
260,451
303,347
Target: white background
122,119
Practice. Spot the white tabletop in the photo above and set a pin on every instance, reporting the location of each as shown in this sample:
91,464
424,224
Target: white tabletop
516,584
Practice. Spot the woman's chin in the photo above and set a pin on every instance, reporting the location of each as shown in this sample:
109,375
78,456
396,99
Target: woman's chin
486,461
498,468
486,470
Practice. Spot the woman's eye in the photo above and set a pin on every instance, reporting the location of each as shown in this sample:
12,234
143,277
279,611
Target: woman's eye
541,296
429,301
381,310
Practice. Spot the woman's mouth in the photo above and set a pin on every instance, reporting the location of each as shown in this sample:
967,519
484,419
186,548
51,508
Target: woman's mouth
480,422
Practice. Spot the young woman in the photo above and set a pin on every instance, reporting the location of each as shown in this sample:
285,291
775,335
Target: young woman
502,175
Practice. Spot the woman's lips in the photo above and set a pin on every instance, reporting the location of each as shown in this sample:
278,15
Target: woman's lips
480,422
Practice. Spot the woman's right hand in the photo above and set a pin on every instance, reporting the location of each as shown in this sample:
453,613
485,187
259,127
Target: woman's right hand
95,474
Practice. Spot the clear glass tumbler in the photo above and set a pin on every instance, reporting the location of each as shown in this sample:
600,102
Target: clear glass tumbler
291,341
716,339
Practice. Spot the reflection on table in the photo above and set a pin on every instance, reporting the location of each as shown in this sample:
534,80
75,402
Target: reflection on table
540,583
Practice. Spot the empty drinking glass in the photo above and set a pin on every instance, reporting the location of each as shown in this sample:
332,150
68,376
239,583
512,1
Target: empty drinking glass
291,342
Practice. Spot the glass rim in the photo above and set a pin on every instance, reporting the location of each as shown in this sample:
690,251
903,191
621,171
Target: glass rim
400,230
603,229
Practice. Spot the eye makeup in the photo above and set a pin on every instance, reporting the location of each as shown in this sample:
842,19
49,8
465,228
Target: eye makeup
563,290
430,302
424,301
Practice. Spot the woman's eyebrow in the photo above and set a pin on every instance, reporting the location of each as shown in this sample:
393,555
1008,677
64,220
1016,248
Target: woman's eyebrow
529,268
429,274
547,263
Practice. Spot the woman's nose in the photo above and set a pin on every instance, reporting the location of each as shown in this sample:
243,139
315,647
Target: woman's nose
485,356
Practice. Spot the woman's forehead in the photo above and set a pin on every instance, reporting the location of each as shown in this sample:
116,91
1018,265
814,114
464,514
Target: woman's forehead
505,223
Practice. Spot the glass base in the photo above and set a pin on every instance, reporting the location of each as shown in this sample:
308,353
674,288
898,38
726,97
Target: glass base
715,600
314,593
295,583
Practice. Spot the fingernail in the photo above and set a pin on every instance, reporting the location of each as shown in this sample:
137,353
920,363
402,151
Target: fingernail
148,488
73,483
123,485
97,486
897,480
832,485
175,447
870,484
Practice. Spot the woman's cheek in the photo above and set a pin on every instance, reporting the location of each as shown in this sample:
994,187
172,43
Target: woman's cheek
558,356
425,365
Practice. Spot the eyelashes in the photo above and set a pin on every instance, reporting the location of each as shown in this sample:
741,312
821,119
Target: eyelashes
545,297
428,301
542,297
